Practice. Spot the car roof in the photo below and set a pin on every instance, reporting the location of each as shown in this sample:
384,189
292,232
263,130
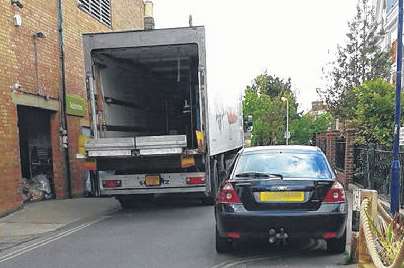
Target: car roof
283,148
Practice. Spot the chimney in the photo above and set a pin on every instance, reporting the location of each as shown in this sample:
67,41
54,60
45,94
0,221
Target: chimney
148,15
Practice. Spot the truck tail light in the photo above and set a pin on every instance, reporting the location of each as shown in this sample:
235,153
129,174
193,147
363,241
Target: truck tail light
227,195
196,180
111,183
336,194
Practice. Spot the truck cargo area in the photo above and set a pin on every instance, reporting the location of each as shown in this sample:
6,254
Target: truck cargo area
147,98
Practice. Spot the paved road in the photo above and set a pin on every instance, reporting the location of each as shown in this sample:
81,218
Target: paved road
167,233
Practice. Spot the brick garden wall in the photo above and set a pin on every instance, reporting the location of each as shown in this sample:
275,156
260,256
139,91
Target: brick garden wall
329,139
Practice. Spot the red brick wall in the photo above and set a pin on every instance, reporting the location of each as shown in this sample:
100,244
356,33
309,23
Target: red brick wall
17,65
331,139
344,176
8,173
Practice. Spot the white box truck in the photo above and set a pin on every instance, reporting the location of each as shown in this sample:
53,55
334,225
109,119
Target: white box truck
156,126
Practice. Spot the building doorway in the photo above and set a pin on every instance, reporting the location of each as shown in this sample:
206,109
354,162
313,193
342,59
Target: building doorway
35,153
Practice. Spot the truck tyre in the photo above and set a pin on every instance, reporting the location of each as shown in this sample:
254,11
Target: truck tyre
126,203
208,201
134,201
223,245
337,245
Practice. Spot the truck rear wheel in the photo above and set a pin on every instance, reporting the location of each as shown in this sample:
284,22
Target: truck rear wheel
125,203
129,202
208,201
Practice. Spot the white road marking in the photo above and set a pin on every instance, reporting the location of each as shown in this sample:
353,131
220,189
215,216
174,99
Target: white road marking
48,240
312,245
232,263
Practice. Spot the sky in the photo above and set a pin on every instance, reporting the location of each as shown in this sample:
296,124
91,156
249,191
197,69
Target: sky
292,38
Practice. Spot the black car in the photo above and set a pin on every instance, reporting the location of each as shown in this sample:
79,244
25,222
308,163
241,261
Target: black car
281,192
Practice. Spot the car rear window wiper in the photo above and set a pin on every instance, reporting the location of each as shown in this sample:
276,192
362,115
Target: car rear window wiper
258,175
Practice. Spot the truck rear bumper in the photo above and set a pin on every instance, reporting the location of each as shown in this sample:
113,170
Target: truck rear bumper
168,183
198,189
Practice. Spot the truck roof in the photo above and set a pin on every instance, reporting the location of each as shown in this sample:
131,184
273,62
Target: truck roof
161,29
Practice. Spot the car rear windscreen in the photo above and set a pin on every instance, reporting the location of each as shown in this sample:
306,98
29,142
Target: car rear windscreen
287,164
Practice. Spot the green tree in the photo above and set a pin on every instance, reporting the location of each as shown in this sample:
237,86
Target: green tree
361,59
303,128
262,100
374,112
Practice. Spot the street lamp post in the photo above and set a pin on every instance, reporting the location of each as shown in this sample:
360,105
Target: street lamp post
287,119
395,166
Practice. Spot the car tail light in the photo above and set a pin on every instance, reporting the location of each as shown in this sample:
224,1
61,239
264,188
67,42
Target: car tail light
232,234
196,180
227,195
336,194
329,235
111,183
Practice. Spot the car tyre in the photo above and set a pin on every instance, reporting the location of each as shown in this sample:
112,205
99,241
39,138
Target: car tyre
337,245
223,245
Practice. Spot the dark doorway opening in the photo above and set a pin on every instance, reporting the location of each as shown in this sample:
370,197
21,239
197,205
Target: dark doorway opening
36,152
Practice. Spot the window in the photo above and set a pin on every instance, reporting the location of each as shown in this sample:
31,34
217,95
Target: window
100,9
288,164
390,4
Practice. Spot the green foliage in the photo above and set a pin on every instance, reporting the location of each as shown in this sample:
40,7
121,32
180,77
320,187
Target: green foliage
373,114
268,119
271,85
263,101
388,237
306,126
360,60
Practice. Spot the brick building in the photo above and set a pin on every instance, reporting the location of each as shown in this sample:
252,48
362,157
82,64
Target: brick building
34,74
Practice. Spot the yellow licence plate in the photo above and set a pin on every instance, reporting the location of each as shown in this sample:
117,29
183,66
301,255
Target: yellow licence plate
152,181
281,196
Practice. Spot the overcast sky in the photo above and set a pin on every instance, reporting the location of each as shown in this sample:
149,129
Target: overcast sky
244,38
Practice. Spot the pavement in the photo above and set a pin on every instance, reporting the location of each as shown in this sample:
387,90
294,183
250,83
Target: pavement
41,218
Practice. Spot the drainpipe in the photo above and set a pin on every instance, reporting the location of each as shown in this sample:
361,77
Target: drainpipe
148,15
62,99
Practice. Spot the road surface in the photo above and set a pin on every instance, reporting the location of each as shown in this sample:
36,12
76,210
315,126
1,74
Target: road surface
165,233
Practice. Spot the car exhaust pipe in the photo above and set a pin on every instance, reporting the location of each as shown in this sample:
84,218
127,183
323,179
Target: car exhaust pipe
278,237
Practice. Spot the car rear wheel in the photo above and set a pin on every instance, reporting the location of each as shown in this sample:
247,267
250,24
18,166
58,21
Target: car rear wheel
223,245
337,245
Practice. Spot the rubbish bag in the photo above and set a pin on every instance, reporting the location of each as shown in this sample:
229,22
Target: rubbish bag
41,183
26,190
36,189
88,191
